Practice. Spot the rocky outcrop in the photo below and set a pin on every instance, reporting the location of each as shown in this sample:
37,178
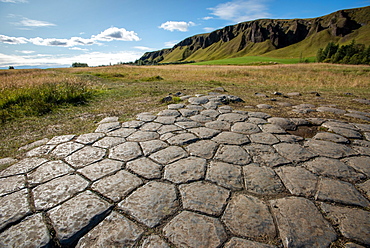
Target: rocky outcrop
280,33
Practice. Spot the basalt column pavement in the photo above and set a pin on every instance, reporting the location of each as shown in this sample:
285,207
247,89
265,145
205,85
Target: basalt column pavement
195,175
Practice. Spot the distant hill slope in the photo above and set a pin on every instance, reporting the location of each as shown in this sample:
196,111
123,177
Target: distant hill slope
271,37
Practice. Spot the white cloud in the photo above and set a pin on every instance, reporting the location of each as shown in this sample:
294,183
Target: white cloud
179,26
46,60
79,49
143,48
114,33
12,40
207,18
25,51
26,22
171,43
208,29
241,10
109,34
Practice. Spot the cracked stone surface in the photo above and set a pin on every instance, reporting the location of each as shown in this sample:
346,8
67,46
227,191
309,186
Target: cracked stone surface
194,175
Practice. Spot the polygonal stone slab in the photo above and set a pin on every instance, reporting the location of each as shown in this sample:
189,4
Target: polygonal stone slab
365,187
202,148
13,207
330,167
152,146
169,128
125,151
210,112
263,138
198,100
182,139
60,139
169,112
150,127
114,231
109,119
298,180
188,124
146,117
108,142
218,125
100,169
11,184
232,117
184,170
245,128
271,128
233,154
154,241
204,197
360,163
89,138
352,223
284,123
23,166
330,137
151,203
132,124
168,155
118,185
204,133
238,242
292,214
75,217
256,121
31,232
338,191
331,110
49,194
122,132
143,136
48,171
329,149
34,144
85,156
40,151
293,152
65,149
227,175
230,138
289,138
260,115
261,180
201,118
107,127
270,159
189,229
166,119
248,216
349,133
145,168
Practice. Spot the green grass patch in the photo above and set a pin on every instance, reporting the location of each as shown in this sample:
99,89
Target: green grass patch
152,79
256,60
41,99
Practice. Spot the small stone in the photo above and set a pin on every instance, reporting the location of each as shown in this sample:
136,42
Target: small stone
341,192
13,207
233,154
190,229
126,151
204,197
31,232
75,217
85,156
264,106
168,155
285,104
292,214
151,203
261,180
117,185
293,94
100,169
230,138
145,168
248,216
226,175
52,193
203,148
115,230
260,94
298,180
293,152
184,170
60,139
352,223
107,127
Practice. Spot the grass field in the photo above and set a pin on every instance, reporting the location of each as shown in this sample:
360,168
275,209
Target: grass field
125,91
256,60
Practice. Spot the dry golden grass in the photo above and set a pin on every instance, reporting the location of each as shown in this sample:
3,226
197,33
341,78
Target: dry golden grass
129,90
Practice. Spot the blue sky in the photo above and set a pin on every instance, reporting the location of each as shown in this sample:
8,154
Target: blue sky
56,33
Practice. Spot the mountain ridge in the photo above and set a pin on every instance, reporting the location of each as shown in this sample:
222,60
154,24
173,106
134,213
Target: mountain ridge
270,36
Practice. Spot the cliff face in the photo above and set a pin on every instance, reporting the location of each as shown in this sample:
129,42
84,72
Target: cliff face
280,34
